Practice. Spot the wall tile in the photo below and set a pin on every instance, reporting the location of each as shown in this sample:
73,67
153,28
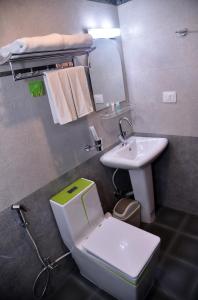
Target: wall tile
114,2
33,150
19,264
157,60
175,174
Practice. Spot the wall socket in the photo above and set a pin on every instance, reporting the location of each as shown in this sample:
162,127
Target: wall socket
98,98
169,97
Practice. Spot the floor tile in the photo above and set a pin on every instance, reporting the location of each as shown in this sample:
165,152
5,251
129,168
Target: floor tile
185,248
165,234
101,295
169,217
156,294
194,294
191,226
75,288
176,279
144,226
176,274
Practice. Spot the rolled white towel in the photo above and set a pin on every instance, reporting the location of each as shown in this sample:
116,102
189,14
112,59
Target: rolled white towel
52,41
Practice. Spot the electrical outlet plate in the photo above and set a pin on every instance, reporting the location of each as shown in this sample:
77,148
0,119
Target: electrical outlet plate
169,97
98,98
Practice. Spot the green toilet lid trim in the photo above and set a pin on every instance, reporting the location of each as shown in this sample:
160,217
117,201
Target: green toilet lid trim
71,191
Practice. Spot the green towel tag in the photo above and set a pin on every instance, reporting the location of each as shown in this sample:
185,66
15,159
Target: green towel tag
36,88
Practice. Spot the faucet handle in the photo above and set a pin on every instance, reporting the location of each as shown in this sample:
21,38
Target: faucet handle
97,146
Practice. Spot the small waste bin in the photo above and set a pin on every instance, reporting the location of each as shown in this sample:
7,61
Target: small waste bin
127,210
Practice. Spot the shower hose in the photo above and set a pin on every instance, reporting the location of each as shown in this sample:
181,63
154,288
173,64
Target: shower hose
48,265
46,270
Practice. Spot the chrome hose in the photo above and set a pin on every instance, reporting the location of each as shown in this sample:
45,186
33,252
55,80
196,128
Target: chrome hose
46,263
44,270
113,179
35,246
49,267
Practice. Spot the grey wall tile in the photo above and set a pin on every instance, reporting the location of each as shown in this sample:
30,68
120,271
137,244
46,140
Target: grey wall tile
19,264
114,2
33,150
175,174
175,180
156,60
105,1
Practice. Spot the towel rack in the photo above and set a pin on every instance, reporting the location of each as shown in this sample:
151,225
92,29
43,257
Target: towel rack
35,71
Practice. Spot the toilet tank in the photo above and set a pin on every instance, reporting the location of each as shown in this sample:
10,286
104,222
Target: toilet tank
77,209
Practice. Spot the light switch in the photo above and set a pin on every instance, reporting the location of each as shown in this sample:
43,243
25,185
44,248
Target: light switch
169,97
98,98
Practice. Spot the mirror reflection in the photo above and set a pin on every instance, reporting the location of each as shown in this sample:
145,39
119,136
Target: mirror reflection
106,74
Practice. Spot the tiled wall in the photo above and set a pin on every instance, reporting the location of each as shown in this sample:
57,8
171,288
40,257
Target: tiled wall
114,2
19,264
35,153
157,60
33,150
175,173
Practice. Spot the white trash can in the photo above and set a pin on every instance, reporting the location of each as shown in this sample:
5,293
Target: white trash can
127,210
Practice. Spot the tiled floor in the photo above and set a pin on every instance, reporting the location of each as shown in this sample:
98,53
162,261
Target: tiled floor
177,270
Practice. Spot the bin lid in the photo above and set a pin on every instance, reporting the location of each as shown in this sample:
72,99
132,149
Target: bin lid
125,208
122,246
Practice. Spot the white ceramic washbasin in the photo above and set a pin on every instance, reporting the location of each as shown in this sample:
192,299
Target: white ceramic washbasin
138,152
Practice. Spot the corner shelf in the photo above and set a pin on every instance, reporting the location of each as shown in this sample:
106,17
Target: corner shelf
114,114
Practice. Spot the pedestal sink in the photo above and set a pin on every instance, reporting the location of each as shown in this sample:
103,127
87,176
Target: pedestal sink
136,156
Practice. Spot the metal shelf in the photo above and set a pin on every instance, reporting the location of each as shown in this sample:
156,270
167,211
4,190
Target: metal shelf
40,56
114,114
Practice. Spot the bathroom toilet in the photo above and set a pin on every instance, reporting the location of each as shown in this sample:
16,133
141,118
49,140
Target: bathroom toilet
119,258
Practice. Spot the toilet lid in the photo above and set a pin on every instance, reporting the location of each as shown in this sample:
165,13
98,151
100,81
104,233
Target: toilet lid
123,246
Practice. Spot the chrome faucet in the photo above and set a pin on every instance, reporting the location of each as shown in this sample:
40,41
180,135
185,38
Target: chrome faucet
123,133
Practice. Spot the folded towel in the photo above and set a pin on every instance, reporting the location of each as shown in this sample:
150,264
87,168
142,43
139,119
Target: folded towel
60,96
52,41
80,90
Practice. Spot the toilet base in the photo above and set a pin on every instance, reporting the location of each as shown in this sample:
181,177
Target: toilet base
113,283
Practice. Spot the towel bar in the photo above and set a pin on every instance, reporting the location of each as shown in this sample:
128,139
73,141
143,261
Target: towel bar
31,72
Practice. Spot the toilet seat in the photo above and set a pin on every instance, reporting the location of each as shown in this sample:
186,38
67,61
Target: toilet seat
123,247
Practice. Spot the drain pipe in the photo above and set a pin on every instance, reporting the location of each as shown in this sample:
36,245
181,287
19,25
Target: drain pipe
48,266
119,193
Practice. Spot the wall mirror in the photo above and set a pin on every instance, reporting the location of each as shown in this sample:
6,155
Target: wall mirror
106,74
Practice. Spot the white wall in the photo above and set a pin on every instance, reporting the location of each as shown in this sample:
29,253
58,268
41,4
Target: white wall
34,151
156,61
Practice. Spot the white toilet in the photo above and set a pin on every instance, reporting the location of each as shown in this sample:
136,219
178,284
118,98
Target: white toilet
119,258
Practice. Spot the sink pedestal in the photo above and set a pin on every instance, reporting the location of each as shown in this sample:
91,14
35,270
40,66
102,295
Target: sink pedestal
142,183
137,156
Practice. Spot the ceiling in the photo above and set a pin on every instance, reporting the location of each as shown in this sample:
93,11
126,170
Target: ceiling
114,2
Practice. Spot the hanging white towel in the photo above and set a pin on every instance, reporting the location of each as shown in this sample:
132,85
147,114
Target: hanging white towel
80,90
60,96
52,41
